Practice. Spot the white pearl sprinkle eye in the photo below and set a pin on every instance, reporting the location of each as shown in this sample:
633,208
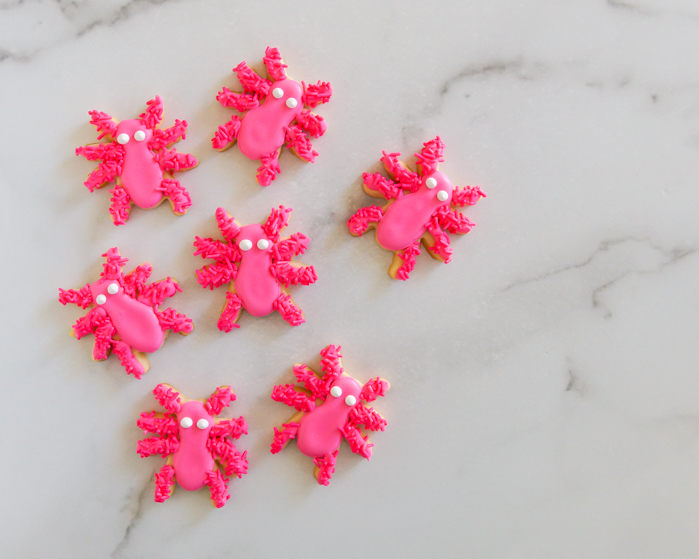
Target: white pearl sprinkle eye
101,300
202,424
123,138
186,422
113,288
139,136
278,92
262,244
431,183
245,244
442,195
336,391
291,103
350,400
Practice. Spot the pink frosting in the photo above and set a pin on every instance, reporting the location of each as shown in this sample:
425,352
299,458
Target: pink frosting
262,129
135,322
405,220
320,431
141,174
255,273
192,460
255,285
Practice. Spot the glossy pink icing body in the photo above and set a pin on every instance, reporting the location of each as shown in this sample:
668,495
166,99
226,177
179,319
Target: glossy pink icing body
262,130
405,219
141,173
319,431
257,288
136,323
192,460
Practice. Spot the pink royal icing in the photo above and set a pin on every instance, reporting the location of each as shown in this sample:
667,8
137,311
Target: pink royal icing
137,159
257,266
124,315
421,208
330,408
195,443
274,112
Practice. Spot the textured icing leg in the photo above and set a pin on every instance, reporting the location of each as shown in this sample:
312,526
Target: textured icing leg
283,436
269,169
404,262
377,185
179,197
230,313
172,160
170,319
290,312
217,485
226,134
362,220
325,468
129,361
106,172
438,247
359,445
164,483
299,144
121,205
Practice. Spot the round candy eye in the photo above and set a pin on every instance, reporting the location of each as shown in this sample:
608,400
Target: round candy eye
101,299
350,400
123,138
262,244
113,288
186,422
442,195
202,424
431,183
139,136
336,391
245,244
291,103
278,92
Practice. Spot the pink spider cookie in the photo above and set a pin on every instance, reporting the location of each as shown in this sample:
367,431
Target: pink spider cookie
195,442
329,408
124,314
137,159
257,266
421,207
276,112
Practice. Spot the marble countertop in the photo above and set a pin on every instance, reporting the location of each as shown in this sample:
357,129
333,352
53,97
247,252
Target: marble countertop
545,392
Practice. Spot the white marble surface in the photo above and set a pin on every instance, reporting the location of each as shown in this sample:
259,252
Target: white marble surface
545,392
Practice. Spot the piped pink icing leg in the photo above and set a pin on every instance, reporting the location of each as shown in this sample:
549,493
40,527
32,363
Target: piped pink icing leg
234,462
157,445
358,444
299,144
284,435
293,274
170,319
129,361
439,246
377,185
269,168
274,64
227,134
178,195
289,311
121,205
404,261
217,486
251,81
164,483
360,221
174,161
230,313
325,467
453,221
312,123
239,101
106,172
163,138
294,396
467,196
